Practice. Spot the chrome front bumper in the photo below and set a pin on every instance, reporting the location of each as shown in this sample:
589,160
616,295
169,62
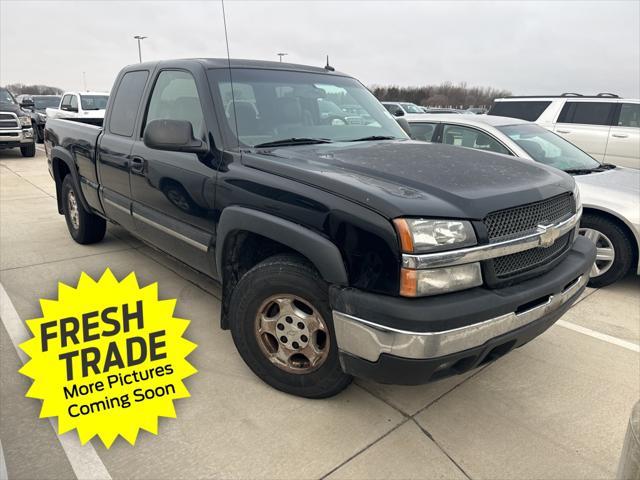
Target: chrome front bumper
21,135
369,340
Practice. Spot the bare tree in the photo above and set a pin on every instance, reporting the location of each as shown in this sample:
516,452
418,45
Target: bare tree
444,95
20,88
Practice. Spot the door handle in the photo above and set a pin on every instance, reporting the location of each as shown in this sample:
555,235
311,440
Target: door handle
564,131
619,135
137,164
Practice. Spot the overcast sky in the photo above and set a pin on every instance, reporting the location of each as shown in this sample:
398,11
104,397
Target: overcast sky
541,47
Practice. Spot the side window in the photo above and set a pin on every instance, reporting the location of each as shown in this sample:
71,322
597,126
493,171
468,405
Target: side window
529,110
126,103
471,138
73,102
66,101
175,97
629,115
423,131
587,113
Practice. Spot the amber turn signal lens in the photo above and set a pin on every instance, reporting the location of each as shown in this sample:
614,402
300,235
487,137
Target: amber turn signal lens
406,239
408,282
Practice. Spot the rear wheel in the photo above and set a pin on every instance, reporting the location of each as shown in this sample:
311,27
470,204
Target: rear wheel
28,150
84,227
281,325
614,249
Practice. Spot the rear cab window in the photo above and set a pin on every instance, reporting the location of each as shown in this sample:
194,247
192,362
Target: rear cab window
126,103
524,110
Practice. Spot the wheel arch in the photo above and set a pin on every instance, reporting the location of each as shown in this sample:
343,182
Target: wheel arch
242,229
623,224
62,164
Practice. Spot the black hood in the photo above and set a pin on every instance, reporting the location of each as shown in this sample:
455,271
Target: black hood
12,107
414,178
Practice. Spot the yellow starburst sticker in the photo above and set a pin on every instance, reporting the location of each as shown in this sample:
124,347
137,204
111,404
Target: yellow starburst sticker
108,358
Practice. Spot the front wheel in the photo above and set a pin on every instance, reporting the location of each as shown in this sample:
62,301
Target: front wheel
28,150
614,250
84,227
281,324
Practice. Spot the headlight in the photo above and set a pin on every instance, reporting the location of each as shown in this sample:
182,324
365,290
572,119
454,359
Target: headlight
420,283
421,235
25,121
576,197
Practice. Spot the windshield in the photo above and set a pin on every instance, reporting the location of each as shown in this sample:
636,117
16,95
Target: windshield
548,148
273,105
411,108
93,102
46,102
6,97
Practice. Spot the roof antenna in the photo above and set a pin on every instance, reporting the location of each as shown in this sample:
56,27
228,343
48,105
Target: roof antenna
233,98
329,67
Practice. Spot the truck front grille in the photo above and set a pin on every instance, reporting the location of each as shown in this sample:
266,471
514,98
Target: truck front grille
519,221
8,121
525,218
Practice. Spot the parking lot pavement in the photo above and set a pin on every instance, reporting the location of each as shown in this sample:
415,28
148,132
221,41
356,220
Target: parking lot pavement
556,408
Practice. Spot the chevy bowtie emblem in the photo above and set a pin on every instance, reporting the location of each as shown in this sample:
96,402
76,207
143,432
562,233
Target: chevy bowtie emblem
548,234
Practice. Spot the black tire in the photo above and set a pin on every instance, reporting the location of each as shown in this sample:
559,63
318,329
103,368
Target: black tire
91,228
28,150
292,275
621,244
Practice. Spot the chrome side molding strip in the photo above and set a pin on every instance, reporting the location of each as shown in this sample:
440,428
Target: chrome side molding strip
545,235
369,340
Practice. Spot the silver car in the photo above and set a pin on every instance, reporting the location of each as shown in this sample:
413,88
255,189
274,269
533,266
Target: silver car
610,194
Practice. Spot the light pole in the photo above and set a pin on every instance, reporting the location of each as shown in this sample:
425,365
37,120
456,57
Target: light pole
139,38
281,55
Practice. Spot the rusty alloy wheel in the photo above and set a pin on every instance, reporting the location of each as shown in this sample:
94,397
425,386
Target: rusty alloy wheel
292,334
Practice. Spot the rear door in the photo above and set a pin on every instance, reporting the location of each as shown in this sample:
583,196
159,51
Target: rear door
173,192
586,124
114,149
623,147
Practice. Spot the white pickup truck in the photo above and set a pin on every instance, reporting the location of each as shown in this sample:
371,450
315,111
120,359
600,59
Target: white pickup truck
87,107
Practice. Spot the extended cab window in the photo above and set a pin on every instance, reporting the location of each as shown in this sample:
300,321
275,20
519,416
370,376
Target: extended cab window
126,103
471,138
73,103
524,110
66,101
587,113
629,115
175,97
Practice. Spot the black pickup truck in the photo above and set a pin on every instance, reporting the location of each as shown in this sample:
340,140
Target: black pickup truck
343,248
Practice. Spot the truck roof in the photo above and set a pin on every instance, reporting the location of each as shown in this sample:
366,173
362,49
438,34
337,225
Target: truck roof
240,63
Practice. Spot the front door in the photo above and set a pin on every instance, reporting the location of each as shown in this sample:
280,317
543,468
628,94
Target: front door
173,192
623,147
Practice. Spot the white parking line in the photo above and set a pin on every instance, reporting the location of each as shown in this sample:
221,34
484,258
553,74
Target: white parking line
83,458
41,149
600,336
3,465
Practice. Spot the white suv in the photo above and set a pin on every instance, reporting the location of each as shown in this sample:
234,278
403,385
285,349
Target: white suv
605,126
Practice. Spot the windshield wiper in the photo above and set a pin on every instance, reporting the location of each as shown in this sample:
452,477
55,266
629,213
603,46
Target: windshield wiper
371,138
293,141
581,171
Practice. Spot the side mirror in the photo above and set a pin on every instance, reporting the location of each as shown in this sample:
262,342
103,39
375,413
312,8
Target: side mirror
399,113
173,136
27,104
404,124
